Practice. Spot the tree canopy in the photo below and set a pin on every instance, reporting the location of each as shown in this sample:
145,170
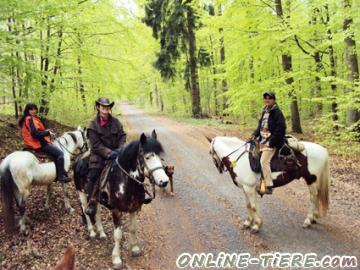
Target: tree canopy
195,58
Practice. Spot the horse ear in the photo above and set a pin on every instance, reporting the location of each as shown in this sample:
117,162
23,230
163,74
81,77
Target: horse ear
79,128
153,134
142,138
210,140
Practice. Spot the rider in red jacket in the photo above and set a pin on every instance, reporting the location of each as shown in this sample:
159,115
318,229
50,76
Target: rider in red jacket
36,137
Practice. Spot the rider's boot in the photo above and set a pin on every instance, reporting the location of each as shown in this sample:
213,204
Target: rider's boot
60,171
147,198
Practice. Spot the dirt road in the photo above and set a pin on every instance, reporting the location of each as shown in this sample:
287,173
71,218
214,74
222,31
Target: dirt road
207,211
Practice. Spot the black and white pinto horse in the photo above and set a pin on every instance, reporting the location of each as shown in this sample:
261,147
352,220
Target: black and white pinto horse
21,169
231,154
122,188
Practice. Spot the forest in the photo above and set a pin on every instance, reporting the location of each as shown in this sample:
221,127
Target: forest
200,59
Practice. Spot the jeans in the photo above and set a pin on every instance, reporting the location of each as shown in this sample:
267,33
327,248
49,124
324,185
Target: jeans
59,158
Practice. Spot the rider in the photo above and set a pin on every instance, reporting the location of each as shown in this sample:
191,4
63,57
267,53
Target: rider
106,136
271,133
36,137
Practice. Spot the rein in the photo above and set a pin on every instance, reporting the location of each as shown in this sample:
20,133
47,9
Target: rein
233,163
135,180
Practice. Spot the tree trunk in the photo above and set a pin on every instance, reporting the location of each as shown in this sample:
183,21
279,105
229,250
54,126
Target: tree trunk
353,115
57,61
195,91
333,73
287,67
13,74
44,102
216,104
224,85
317,93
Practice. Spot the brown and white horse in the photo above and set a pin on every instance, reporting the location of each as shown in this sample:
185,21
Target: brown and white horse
123,189
231,154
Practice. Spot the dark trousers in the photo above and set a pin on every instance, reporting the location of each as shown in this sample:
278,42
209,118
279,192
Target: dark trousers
92,187
58,155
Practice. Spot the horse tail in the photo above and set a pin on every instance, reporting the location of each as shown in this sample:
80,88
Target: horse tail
7,198
323,187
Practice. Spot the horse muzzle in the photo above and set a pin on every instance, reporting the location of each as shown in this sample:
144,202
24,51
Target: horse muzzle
163,183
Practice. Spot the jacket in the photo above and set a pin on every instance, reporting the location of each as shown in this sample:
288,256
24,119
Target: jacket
103,140
277,127
34,134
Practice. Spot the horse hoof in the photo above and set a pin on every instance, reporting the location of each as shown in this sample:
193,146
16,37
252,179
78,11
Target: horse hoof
117,263
102,235
306,225
92,234
313,221
117,266
247,224
135,251
172,194
254,229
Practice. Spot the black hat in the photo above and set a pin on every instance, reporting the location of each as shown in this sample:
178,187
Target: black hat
104,102
269,94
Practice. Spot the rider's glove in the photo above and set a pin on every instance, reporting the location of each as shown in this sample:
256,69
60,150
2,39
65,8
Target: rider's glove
113,155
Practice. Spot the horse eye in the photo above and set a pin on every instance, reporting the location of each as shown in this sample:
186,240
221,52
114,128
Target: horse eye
147,157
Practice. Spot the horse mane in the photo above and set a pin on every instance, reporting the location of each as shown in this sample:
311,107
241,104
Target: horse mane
73,136
128,156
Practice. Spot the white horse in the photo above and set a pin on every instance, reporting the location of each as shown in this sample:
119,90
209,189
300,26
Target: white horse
21,169
245,178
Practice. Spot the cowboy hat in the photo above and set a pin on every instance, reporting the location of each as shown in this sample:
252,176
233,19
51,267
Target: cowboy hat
103,101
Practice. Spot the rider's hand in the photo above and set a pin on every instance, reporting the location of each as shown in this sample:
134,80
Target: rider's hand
51,133
251,138
113,155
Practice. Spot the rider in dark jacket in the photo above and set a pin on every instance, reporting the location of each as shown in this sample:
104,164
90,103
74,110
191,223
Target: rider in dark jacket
106,136
271,134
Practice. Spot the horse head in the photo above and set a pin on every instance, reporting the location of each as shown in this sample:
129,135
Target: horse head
82,141
215,157
150,150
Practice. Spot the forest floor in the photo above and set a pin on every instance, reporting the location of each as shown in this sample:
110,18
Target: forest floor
205,215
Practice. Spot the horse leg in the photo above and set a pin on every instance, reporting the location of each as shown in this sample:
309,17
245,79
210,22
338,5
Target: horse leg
48,196
257,219
83,200
116,260
66,199
313,212
249,220
134,247
98,224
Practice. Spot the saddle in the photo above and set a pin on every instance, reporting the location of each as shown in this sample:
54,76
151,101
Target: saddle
285,159
40,155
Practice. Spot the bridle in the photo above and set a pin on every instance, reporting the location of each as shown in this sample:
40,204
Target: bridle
142,167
